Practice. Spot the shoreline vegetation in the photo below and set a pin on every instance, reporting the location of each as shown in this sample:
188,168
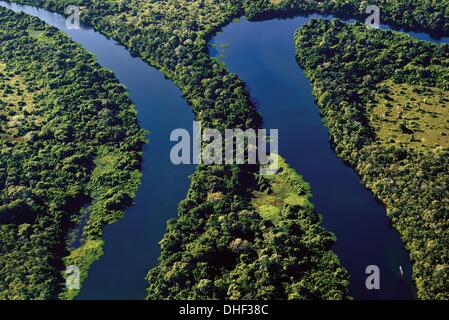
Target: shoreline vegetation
172,36
271,247
383,96
68,137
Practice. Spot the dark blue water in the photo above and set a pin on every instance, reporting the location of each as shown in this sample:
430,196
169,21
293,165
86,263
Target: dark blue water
262,54
131,244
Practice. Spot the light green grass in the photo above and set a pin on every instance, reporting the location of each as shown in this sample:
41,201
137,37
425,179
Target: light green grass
412,116
287,189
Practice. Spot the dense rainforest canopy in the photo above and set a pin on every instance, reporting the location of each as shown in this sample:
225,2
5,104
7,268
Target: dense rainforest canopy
270,248
68,136
384,97
172,35
70,124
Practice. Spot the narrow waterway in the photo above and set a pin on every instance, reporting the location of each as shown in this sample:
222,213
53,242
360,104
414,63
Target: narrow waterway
262,54
132,244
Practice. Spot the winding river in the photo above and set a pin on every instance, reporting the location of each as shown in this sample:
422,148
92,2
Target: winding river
132,244
262,54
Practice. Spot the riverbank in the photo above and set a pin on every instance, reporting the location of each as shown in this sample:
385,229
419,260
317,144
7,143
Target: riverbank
192,60
131,245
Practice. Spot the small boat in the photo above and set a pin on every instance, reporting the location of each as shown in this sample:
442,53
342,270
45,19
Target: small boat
401,271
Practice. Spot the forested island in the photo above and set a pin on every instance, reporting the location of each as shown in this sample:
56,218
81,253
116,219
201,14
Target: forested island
70,123
172,36
68,137
384,98
268,245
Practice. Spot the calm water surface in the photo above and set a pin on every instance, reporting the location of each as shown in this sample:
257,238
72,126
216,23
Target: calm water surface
131,244
262,54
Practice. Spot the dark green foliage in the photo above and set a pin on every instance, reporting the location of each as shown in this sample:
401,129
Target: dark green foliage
347,65
424,15
172,35
74,114
207,254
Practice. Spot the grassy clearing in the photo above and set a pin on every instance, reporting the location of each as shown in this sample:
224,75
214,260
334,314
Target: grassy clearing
276,2
286,187
410,115
104,163
16,106
82,257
